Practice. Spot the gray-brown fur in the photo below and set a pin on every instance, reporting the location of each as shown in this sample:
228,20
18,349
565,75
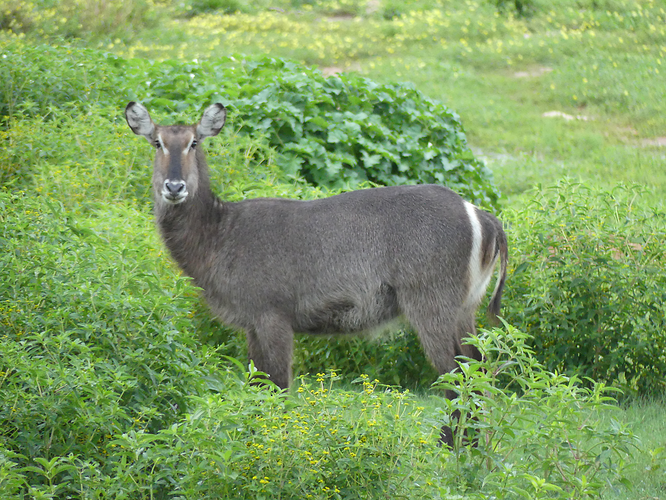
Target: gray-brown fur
345,264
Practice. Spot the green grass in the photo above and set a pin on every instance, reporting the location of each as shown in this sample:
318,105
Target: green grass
646,419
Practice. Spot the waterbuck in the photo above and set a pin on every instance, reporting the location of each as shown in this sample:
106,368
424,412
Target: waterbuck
349,263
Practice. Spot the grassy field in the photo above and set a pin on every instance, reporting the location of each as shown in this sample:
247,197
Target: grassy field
573,90
564,90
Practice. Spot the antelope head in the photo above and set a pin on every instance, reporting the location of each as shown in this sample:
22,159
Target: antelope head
176,173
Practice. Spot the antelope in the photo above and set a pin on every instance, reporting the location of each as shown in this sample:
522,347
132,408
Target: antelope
349,263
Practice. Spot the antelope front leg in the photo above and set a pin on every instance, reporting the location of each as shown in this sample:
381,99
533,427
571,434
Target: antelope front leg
270,345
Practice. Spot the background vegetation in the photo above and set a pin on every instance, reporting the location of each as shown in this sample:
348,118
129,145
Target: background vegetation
117,383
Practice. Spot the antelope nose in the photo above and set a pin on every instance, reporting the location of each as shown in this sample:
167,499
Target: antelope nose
174,188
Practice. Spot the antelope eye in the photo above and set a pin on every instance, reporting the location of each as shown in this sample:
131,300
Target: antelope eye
157,144
194,145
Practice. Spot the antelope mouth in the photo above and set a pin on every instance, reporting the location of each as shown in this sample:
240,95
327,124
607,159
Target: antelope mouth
174,191
174,198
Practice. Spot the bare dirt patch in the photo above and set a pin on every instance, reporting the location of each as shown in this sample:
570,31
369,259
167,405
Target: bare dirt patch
533,72
655,141
372,6
341,18
335,70
565,116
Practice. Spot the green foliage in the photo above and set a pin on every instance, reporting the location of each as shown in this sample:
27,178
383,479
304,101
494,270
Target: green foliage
11,478
80,161
77,18
322,443
537,433
588,282
395,359
347,130
325,442
35,78
93,341
334,132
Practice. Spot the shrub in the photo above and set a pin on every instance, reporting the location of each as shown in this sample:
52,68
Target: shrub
537,434
334,132
94,342
347,130
394,359
322,443
34,79
588,283
327,443
81,161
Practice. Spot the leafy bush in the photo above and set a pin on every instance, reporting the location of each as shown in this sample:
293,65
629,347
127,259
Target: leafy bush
81,161
93,341
322,443
589,283
348,129
327,443
395,359
335,132
537,433
34,79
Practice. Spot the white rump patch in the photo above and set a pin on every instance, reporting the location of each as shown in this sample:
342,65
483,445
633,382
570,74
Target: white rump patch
479,277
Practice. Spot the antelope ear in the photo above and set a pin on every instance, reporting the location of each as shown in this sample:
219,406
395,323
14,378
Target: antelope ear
139,120
212,121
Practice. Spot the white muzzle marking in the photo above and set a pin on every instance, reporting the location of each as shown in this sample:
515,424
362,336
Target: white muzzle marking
174,192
